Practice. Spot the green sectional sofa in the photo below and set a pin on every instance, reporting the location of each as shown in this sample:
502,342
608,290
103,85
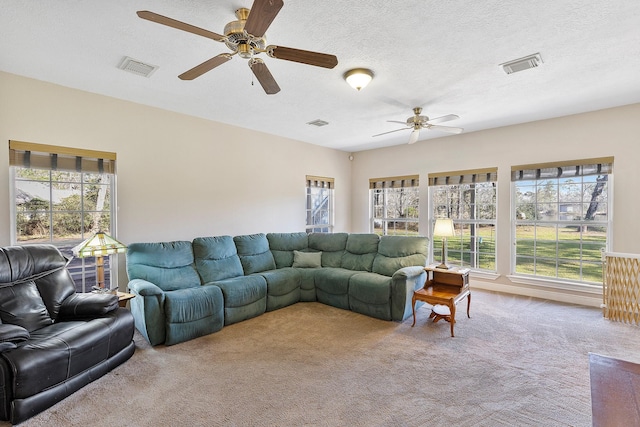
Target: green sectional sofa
189,289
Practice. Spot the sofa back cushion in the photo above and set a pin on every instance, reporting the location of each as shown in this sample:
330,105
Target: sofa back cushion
168,265
216,258
396,252
43,265
282,246
332,247
254,253
22,305
360,252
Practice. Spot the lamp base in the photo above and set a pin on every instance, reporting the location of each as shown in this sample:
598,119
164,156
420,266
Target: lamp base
443,266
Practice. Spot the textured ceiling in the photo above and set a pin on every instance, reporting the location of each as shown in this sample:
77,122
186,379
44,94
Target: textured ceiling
441,55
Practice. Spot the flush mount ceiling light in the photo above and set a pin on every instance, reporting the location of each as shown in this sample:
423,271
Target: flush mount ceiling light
522,64
358,77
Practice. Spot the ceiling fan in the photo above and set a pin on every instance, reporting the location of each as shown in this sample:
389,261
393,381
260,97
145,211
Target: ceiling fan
417,122
246,38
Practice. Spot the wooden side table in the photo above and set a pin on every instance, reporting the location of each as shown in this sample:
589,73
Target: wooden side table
445,287
123,297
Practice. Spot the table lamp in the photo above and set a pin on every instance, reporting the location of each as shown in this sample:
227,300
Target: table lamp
99,245
444,228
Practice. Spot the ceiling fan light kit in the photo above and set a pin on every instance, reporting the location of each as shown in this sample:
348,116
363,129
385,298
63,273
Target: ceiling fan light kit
246,38
358,78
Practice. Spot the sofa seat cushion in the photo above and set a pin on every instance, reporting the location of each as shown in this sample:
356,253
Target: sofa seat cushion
239,291
283,287
332,286
370,288
370,294
60,351
192,313
244,297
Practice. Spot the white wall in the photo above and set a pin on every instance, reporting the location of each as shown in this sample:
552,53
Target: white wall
179,177
613,132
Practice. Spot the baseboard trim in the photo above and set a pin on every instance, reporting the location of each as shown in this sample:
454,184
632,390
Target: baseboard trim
579,297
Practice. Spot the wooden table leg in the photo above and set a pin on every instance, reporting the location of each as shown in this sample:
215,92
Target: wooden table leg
468,304
452,307
413,308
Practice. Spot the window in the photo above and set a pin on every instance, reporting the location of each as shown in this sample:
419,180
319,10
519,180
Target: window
469,199
319,204
394,205
62,196
561,219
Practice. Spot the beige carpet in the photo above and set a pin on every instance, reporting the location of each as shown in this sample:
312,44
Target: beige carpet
517,362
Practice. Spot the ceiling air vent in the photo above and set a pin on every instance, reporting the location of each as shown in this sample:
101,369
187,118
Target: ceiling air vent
521,64
318,123
136,67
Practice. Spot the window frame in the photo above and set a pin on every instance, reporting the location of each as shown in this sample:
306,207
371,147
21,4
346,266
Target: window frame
320,185
583,168
82,269
384,186
471,257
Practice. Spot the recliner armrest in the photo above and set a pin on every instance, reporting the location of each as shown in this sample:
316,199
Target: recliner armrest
88,305
144,288
10,335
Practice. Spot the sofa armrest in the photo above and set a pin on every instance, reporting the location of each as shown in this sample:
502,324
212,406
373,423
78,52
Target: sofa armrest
144,288
88,305
10,335
148,310
403,282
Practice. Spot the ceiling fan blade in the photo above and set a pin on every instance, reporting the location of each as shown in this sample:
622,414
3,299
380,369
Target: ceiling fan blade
443,119
397,121
303,56
414,136
391,131
264,76
445,128
262,14
159,19
209,65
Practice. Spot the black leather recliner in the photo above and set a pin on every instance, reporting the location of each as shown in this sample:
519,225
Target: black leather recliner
53,341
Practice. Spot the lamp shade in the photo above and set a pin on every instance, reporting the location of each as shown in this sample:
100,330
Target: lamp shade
100,244
444,228
358,77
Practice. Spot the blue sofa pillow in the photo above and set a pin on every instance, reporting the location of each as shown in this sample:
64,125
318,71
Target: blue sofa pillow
216,258
254,253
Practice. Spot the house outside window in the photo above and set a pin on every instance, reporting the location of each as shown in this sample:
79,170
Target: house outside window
469,198
394,205
562,217
63,196
319,204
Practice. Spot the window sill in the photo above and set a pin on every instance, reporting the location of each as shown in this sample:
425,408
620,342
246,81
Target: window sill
484,275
